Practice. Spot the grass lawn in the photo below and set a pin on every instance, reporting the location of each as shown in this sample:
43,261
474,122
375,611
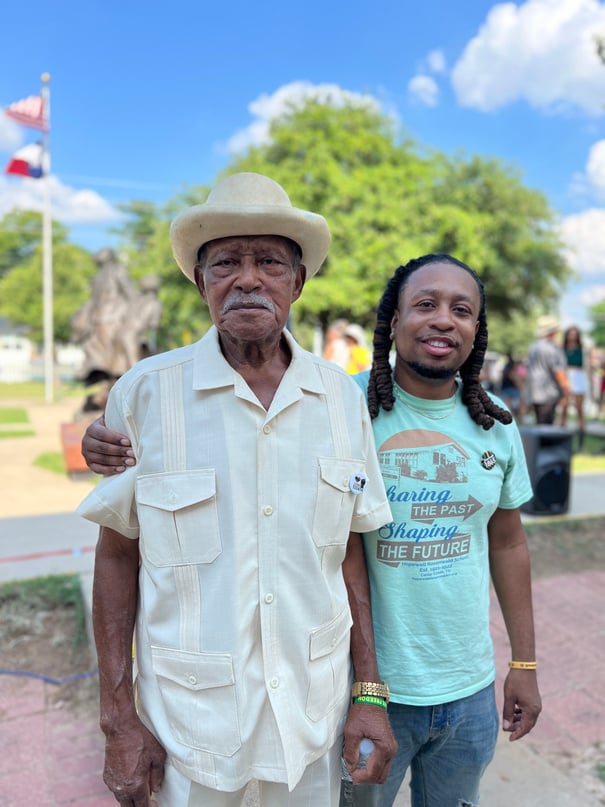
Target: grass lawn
51,461
36,390
13,415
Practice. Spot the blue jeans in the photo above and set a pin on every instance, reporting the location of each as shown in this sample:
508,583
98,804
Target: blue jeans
448,747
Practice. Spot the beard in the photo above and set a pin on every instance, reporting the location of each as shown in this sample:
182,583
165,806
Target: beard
434,373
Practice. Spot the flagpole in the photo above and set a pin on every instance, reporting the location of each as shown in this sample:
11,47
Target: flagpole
47,255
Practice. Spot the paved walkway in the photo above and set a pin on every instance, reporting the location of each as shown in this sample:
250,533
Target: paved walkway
52,756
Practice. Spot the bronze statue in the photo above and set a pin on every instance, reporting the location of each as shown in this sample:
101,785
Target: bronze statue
116,327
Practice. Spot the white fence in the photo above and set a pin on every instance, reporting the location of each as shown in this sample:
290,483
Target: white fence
16,355
19,362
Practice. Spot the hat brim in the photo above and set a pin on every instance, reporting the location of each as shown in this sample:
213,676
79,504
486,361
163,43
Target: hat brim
202,223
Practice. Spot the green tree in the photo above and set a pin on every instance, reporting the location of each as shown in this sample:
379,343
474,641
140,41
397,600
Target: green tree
139,225
597,316
485,216
21,299
20,235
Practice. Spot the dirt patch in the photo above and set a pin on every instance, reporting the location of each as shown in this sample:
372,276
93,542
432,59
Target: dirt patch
49,641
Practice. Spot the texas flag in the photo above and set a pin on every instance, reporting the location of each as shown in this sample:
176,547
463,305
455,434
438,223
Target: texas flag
26,162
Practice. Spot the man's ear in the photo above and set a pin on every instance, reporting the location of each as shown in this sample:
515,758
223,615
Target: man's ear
394,321
199,281
299,281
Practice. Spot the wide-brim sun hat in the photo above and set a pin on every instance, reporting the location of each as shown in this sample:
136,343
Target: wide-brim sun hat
546,325
248,204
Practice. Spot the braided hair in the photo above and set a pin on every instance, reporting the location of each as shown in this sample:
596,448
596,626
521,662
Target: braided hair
480,406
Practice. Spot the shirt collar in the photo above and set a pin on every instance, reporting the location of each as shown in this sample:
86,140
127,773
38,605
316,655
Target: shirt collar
212,371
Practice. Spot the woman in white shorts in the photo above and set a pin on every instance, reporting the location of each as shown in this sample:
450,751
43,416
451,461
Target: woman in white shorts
572,345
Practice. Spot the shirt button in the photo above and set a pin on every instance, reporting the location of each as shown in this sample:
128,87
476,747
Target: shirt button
267,510
192,679
269,598
267,429
274,682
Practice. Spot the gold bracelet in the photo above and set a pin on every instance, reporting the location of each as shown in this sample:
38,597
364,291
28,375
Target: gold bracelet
378,690
523,665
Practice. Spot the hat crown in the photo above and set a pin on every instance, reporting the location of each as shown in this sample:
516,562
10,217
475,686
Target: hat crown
248,190
546,325
248,204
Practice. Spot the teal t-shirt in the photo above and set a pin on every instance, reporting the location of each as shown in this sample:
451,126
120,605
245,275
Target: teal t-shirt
429,569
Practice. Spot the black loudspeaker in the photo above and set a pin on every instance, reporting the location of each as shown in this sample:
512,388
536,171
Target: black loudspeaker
548,451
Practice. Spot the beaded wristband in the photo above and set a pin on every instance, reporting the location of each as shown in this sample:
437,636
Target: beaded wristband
523,665
374,700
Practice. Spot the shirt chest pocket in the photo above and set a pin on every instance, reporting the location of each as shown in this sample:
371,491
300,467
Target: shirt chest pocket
335,500
178,517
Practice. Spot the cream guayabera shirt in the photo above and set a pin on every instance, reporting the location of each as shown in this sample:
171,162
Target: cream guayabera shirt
243,516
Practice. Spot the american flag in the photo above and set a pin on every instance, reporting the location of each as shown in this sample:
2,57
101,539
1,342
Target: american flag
29,112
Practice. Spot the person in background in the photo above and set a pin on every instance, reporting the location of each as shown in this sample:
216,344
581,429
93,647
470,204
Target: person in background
336,348
511,388
454,470
574,354
547,383
360,357
234,543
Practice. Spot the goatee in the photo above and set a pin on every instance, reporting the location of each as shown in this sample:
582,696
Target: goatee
436,373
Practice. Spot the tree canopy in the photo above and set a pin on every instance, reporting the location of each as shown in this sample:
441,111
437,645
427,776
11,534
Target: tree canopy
21,299
597,315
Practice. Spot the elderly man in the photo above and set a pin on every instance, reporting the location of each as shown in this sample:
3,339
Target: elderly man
232,548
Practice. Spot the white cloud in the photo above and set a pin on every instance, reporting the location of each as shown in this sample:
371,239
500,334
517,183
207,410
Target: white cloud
542,52
436,61
424,89
584,237
68,204
11,135
595,167
268,107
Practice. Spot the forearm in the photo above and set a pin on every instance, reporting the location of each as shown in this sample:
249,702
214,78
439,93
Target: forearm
562,380
363,650
115,592
364,720
511,575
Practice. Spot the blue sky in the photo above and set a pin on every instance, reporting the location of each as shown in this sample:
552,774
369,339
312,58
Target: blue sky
149,97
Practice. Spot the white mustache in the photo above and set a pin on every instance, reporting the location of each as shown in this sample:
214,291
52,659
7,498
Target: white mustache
236,300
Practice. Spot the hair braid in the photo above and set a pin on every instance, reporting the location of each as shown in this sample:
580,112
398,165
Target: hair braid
380,384
480,406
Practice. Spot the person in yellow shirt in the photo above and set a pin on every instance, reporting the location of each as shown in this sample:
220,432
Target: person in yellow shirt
360,358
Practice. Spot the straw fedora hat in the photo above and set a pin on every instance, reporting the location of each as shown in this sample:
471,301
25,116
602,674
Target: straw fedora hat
546,325
248,204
